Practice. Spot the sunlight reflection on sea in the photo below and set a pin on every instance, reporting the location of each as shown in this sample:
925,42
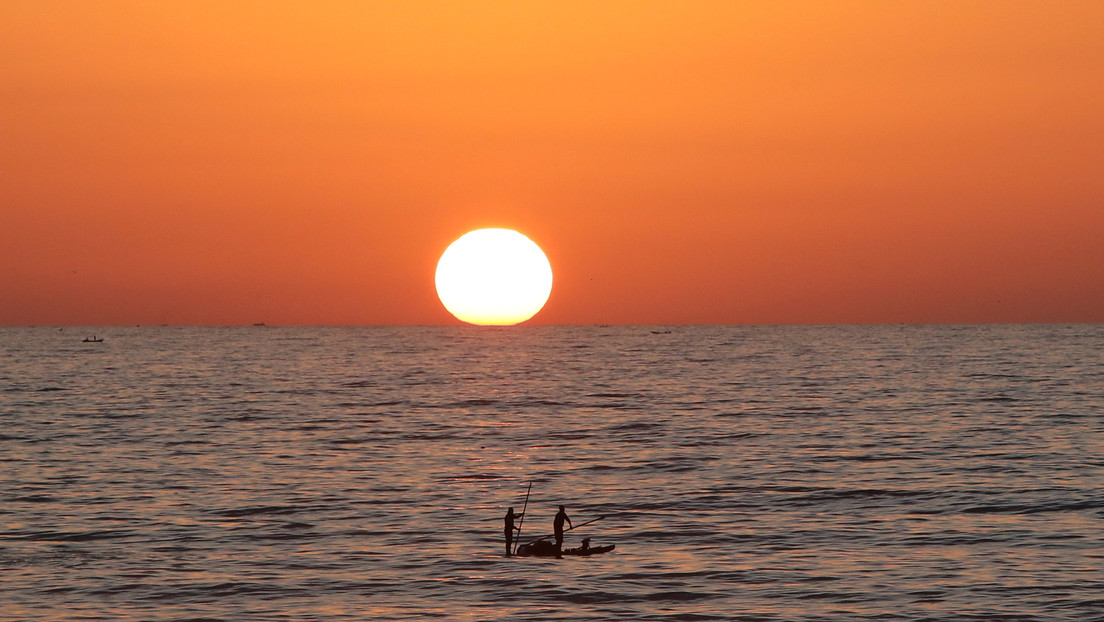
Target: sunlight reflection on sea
744,473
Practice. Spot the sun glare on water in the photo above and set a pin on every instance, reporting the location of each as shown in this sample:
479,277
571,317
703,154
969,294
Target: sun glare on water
493,277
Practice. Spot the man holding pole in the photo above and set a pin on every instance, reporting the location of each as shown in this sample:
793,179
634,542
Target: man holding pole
557,528
508,529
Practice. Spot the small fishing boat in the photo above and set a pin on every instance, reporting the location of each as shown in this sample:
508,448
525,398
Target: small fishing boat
544,548
93,339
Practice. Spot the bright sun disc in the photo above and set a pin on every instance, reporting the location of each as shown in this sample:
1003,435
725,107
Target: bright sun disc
493,277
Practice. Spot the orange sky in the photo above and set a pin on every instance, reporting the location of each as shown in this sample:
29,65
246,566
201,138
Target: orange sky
680,162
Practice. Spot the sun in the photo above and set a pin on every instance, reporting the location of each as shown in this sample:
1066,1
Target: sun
493,277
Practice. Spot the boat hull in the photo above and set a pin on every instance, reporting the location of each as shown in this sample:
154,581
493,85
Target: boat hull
543,548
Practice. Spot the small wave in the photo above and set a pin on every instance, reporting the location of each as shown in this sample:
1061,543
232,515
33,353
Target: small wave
636,425
259,510
186,441
609,467
246,418
302,392
679,535
723,440
31,499
994,376
610,405
1036,508
610,395
65,536
477,401
531,403
928,596
442,436
280,536
353,441
836,597
60,556
210,592
858,494
998,399
879,458
958,540
381,403
655,597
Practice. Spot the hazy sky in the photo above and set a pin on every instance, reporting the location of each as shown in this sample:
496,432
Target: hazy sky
679,162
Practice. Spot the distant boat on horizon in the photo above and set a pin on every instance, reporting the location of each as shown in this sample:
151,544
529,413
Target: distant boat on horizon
93,339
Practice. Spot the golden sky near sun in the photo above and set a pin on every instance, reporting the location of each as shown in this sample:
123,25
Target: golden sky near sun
718,162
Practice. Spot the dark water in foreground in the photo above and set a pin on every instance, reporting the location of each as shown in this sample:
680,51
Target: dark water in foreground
773,473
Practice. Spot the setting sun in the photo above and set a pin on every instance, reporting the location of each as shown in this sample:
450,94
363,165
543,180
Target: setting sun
493,277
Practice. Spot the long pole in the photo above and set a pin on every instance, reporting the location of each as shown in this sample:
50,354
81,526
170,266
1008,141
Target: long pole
570,528
522,521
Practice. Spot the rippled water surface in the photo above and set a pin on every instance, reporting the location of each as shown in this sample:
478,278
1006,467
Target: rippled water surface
744,473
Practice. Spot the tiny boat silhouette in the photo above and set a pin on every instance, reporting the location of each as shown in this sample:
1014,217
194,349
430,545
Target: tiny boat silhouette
544,548
93,339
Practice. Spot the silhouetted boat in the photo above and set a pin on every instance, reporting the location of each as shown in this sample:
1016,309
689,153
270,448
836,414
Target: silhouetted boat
93,340
544,548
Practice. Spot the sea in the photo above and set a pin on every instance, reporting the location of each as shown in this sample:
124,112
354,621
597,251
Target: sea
753,473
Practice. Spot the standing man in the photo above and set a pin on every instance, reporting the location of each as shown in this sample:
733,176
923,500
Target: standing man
557,528
508,529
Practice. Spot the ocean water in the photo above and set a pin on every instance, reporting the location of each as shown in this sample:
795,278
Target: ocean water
743,473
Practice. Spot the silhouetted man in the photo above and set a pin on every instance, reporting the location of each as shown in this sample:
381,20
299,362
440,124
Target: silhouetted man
557,528
508,529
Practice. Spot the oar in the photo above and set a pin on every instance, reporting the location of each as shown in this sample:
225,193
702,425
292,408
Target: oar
552,535
522,521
